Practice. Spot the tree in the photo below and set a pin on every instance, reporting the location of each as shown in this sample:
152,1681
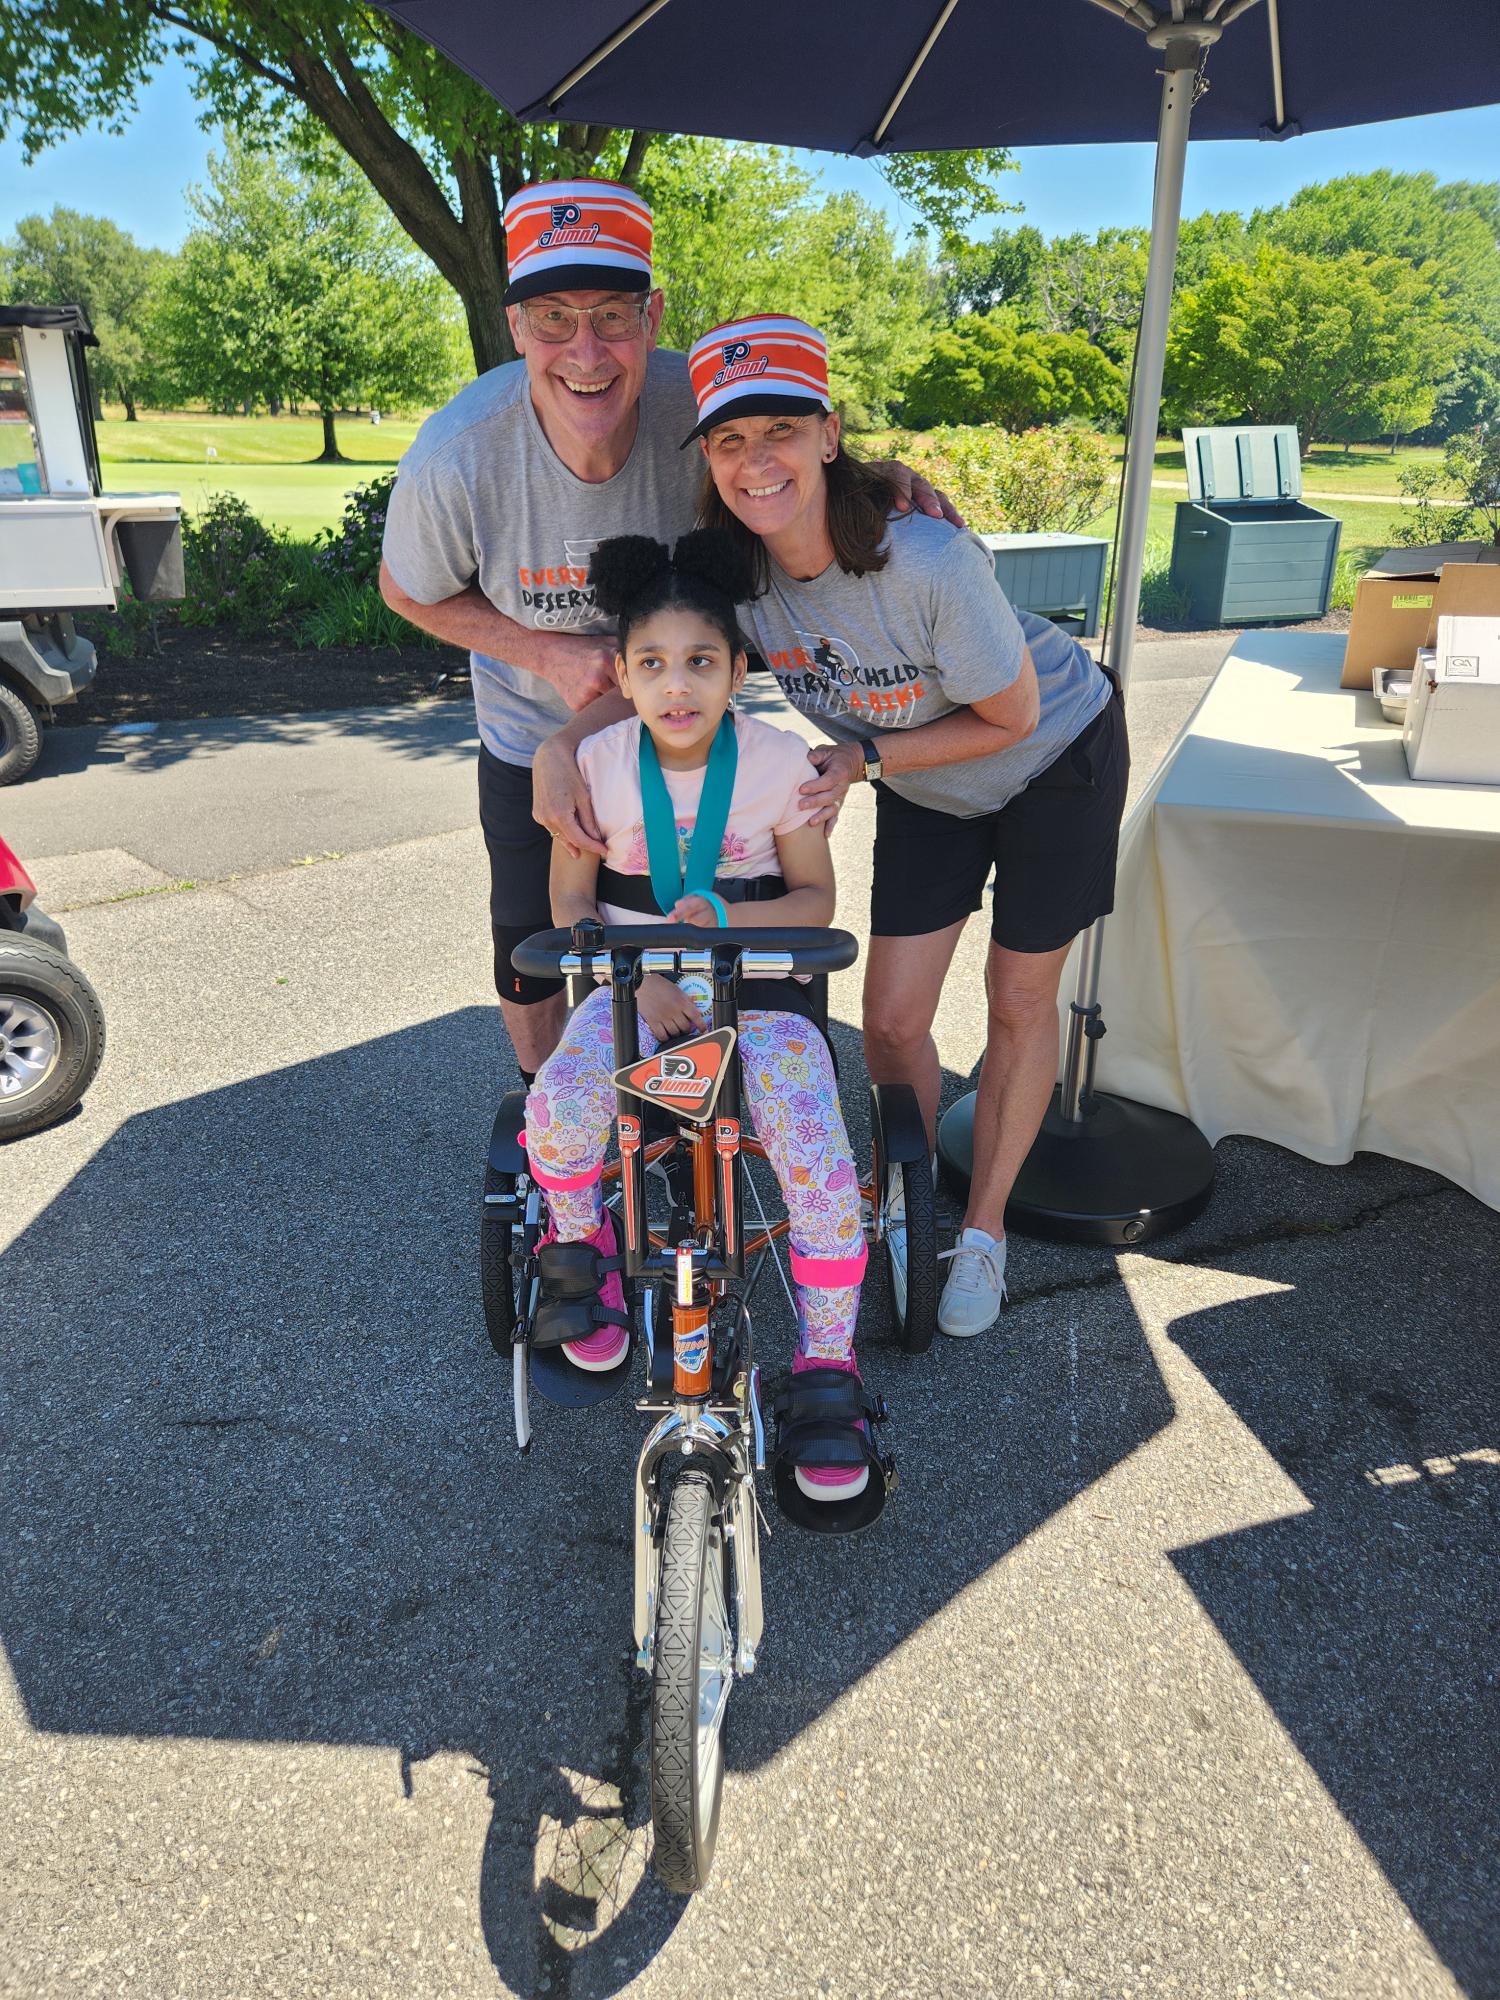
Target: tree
436,147
1093,286
1447,232
725,218
1339,346
986,368
874,302
738,230
71,259
299,284
1001,271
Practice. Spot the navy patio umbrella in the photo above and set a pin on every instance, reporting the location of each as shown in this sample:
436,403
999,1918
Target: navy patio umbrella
933,75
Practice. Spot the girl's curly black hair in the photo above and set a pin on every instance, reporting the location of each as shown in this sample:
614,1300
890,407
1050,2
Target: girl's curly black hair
634,576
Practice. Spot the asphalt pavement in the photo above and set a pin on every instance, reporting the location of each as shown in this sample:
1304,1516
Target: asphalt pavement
1171,1668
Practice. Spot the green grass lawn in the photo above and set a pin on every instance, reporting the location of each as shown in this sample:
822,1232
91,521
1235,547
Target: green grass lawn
270,463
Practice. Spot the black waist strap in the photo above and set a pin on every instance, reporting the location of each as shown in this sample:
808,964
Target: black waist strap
633,892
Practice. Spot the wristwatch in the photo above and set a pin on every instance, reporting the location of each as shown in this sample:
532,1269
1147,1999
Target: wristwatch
872,758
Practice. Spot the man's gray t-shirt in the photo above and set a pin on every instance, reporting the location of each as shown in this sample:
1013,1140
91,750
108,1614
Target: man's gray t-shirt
482,497
929,633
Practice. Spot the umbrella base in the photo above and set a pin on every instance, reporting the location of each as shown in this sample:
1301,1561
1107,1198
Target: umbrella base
1123,1175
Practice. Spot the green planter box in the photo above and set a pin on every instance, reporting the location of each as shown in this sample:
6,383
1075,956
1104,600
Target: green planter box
1246,549
1060,577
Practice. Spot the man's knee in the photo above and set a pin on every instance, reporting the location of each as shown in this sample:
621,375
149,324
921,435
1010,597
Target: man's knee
520,988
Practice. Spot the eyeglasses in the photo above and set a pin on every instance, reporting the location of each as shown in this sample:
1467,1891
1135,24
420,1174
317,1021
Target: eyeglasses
616,319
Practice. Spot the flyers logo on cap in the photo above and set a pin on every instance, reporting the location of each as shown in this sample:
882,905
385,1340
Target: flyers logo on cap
577,236
770,364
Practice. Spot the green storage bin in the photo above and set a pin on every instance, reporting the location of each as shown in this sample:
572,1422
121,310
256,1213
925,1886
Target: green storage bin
1060,577
1246,550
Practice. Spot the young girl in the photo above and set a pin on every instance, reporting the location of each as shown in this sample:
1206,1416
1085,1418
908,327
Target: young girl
681,657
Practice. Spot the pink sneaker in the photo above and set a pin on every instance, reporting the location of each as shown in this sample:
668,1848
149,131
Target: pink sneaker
608,1347
829,1482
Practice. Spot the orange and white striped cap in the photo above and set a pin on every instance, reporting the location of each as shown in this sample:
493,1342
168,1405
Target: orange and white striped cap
767,365
577,236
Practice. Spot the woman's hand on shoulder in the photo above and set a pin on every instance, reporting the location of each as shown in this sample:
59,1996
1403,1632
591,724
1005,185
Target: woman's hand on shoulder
912,490
560,799
839,766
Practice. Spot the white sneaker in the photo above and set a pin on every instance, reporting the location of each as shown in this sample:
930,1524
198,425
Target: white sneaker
975,1289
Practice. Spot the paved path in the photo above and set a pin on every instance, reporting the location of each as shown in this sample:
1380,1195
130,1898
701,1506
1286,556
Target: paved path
1171,1669
1378,499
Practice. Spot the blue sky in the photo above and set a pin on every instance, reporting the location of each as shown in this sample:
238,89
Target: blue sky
138,179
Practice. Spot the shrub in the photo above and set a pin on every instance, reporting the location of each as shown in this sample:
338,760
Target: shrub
1426,520
238,572
986,368
1048,480
349,612
353,548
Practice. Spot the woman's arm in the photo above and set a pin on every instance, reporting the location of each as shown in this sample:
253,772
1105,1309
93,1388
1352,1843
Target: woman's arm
806,869
995,723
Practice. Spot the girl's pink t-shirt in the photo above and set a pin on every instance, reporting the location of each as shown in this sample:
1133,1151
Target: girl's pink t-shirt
773,767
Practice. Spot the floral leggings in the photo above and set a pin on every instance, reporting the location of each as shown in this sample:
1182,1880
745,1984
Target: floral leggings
792,1096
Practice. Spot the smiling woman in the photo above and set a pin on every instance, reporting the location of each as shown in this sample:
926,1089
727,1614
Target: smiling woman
992,738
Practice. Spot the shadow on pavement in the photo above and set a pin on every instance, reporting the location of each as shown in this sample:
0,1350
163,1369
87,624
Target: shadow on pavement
1370,1624
264,1485
439,727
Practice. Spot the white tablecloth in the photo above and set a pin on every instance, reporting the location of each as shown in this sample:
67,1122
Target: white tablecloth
1306,945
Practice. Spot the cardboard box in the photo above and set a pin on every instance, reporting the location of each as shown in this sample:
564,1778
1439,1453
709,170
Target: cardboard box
1452,729
1398,602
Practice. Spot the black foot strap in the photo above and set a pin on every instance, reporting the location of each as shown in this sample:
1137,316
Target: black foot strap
570,1307
824,1420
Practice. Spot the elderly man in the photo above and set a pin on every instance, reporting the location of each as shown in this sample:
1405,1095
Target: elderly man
502,499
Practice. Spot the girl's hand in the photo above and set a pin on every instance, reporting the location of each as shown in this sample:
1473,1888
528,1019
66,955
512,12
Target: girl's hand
839,766
694,910
665,1008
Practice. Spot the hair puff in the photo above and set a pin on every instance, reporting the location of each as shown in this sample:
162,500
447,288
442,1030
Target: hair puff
624,568
713,557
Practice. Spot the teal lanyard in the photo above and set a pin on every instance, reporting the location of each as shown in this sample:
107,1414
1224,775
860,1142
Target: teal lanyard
669,880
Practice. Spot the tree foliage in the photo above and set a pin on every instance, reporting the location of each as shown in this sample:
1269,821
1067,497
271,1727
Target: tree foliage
435,146
298,285
66,258
1342,347
988,369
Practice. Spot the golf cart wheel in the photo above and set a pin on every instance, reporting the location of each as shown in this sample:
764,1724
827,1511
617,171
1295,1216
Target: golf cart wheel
692,1673
51,1034
20,734
498,1272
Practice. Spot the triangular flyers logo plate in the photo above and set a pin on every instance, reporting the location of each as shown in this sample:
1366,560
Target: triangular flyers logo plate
684,1079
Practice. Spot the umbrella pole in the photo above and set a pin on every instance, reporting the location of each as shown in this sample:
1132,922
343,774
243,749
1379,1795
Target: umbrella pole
1104,1169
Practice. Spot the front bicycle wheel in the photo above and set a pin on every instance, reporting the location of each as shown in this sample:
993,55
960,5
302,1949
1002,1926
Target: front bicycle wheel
691,1676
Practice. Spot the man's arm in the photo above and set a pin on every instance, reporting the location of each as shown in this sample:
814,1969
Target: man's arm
580,666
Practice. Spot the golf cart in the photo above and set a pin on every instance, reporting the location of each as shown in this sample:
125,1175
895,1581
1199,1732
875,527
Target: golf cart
51,1025
64,544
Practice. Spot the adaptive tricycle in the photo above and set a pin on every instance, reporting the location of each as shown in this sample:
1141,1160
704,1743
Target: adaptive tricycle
697,1543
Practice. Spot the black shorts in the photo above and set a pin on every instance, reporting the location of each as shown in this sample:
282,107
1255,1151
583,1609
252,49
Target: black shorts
1052,849
520,854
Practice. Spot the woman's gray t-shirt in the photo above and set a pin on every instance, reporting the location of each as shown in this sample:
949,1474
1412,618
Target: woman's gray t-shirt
929,633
